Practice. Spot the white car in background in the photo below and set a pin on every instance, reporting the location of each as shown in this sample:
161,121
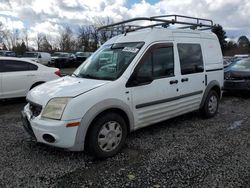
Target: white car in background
39,57
18,76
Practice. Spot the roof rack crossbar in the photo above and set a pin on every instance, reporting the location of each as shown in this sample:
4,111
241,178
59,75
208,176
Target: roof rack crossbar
185,17
161,22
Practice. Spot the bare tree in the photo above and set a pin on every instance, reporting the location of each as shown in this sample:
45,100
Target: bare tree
9,38
55,43
67,42
45,46
39,40
84,37
95,36
104,35
26,37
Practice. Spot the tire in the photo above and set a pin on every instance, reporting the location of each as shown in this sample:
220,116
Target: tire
211,105
107,135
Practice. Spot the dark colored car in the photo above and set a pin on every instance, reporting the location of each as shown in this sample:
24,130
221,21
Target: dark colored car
81,57
7,53
63,59
237,76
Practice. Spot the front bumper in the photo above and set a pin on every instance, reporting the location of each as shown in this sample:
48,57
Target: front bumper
241,85
37,128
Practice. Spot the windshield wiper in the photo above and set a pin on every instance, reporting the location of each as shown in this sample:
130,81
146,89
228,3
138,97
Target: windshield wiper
75,75
90,76
95,77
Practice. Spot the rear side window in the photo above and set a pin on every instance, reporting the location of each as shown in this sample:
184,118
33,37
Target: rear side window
159,63
191,60
16,66
32,67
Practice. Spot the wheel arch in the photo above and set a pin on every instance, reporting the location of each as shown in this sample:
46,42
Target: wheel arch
213,85
108,105
36,84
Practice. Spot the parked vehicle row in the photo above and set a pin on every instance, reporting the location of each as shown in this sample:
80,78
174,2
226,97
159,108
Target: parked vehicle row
63,59
7,53
57,59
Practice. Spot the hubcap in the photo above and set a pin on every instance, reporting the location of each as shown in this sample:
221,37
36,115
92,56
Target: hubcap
212,104
110,136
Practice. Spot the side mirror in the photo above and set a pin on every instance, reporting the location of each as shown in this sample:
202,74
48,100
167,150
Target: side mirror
139,80
39,56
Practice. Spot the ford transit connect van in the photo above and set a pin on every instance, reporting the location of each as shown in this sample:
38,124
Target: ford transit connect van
151,74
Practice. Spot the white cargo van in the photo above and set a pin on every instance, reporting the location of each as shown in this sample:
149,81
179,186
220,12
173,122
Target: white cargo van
39,57
153,73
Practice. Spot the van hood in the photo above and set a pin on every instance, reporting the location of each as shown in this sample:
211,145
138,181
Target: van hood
67,86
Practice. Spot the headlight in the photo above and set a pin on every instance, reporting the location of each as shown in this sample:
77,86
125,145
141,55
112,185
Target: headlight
55,107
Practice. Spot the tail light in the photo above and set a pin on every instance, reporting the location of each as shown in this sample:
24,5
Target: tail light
58,73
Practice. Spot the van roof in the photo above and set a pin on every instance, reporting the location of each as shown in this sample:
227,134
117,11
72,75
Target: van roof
158,28
159,34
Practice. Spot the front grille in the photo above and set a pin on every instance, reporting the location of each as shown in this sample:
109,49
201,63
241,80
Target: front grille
35,108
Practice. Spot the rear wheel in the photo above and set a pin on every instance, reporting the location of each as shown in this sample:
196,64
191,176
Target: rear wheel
107,135
211,104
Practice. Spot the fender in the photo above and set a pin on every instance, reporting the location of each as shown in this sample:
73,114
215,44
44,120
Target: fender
92,113
208,88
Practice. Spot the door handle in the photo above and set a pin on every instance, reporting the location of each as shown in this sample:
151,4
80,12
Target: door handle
31,75
173,82
184,79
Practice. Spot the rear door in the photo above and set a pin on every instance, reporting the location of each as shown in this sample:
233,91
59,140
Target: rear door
191,76
17,78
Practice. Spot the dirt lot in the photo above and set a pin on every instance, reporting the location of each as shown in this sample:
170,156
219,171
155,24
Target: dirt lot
187,151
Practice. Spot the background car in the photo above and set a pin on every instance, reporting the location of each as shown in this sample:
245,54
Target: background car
227,60
237,75
39,57
63,59
81,57
18,76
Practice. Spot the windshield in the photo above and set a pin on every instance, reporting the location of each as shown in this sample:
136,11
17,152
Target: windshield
60,54
30,54
63,55
243,64
109,62
55,54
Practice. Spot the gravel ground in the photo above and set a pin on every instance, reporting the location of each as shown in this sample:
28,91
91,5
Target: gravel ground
187,151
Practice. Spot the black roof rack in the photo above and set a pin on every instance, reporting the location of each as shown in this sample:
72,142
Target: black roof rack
163,21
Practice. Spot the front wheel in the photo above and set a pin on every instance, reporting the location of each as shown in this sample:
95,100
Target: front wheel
107,135
211,104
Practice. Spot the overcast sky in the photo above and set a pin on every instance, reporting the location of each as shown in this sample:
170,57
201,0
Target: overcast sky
49,16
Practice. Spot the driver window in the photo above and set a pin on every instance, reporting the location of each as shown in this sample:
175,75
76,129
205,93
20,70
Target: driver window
146,70
158,63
